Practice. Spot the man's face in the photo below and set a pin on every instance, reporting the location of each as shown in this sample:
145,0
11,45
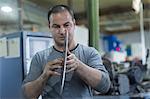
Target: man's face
60,23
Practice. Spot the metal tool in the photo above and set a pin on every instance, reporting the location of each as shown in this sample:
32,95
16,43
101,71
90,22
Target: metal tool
64,67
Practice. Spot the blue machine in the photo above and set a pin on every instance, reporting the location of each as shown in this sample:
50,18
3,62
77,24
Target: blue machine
111,43
14,65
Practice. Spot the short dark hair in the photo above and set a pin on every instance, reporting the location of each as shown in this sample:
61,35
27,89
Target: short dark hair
60,8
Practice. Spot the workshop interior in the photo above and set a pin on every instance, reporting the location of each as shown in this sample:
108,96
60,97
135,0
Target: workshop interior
118,29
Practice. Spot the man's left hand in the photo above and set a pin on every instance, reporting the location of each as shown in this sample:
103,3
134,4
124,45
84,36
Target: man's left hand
72,62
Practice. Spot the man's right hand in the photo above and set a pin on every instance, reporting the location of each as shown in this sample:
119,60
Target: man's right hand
50,67
31,90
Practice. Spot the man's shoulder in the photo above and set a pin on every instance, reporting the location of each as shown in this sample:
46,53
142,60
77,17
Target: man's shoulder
45,52
86,47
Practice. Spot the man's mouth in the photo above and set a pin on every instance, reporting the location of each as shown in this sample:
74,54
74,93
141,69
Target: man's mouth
61,38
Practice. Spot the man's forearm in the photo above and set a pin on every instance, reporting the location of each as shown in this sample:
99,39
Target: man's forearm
98,80
33,89
90,75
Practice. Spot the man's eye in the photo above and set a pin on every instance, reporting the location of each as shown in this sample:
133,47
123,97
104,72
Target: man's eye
67,25
55,26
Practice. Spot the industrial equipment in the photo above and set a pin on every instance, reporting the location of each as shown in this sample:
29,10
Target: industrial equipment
129,81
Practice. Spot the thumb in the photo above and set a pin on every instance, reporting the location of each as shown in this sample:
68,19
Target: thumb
68,52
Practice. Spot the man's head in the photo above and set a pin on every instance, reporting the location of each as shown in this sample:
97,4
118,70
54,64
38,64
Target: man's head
58,9
61,21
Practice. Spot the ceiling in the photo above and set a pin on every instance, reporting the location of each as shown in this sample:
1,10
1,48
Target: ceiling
116,16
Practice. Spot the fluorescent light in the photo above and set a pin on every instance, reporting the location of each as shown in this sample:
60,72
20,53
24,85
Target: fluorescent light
120,27
136,5
6,9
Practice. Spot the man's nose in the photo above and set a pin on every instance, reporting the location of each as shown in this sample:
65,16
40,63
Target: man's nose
62,30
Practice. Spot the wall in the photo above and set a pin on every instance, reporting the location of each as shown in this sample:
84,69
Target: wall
82,35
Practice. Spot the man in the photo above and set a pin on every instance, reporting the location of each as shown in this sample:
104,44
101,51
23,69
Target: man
85,70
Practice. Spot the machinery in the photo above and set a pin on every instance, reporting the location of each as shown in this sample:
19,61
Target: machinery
128,81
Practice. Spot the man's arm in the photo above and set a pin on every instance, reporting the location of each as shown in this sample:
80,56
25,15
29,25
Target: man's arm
33,89
93,72
99,80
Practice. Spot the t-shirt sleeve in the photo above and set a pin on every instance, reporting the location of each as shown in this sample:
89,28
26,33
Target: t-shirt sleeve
94,59
35,69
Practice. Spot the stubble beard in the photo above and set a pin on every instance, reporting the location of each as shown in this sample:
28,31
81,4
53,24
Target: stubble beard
60,44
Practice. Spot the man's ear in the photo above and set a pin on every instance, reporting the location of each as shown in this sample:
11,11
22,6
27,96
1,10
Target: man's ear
74,21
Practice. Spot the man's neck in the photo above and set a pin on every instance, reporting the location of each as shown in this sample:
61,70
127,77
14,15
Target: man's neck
61,48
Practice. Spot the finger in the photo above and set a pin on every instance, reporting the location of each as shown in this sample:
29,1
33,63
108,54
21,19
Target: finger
61,59
72,69
68,52
55,67
71,56
56,61
55,73
70,66
69,62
